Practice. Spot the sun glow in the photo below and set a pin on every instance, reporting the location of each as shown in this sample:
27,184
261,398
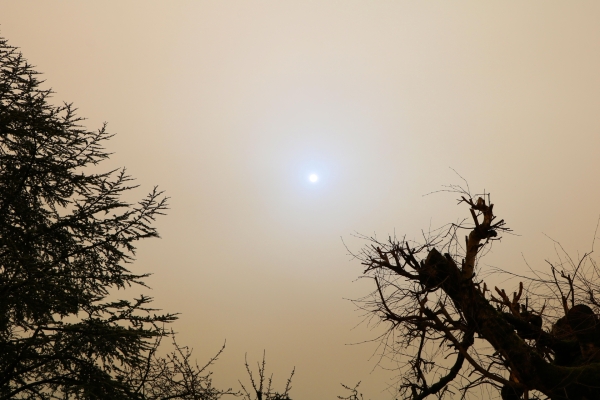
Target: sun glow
313,178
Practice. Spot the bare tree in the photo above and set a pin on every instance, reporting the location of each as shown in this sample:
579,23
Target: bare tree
454,337
175,375
262,387
354,393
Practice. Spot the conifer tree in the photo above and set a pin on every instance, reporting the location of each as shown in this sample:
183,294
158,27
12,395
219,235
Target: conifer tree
67,239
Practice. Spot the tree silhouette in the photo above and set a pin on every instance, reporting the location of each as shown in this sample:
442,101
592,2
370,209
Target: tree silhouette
175,376
354,393
262,387
455,337
66,239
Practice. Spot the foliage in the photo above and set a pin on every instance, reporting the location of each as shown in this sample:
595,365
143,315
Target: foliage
456,338
66,239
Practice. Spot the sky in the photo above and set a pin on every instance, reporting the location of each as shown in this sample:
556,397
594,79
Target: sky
230,106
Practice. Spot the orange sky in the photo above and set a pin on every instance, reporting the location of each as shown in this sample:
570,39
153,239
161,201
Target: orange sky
230,105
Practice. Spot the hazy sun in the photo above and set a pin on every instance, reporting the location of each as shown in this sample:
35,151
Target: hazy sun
313,178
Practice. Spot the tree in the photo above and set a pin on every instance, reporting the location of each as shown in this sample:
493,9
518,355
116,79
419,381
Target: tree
262,387
354,393
454,336
66,239
175,376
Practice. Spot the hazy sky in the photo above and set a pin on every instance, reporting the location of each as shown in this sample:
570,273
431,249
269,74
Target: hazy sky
230,105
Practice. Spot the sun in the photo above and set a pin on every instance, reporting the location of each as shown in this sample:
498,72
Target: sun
313,178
